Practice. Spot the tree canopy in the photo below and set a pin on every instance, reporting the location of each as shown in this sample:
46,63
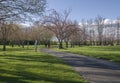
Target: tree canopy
16,9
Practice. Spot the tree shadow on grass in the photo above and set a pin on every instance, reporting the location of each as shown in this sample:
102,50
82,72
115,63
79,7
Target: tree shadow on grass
35,58
27,77
21,75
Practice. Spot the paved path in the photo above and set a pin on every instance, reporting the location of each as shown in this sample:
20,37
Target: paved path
93,70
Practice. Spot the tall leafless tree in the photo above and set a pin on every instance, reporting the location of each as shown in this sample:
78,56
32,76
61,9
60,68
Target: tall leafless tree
100,26
118,30
58,23
84,27
6,30
91,30
71,30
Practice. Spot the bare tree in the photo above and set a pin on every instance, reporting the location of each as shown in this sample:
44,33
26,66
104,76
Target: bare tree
84,28
14,35
110,36
100,26
6,30
75,37
17,10
70,32
43,33
58,23
46,36
36,33
118,30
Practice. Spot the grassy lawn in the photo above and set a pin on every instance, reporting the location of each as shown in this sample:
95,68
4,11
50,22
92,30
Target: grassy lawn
18,65
111,53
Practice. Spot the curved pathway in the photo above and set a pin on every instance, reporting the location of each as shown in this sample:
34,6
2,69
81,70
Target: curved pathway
93,70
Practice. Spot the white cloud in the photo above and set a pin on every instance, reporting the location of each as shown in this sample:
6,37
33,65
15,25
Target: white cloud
107,21
80,24
26,25
114,21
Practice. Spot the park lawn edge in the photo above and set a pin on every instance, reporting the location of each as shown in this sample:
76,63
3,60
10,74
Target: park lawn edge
19,65
110,55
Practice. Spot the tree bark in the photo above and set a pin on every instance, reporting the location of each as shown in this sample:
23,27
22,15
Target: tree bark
22,44
4,45
72,44
60,45
66,44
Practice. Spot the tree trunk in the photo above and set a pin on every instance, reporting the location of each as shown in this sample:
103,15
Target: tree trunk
100,40
45,43
100,43
22,44
66,44
60,45
12,44
79,43
4,45
72,44
28,45
48,44
118,38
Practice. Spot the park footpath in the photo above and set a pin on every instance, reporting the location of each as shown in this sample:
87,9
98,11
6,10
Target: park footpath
93,70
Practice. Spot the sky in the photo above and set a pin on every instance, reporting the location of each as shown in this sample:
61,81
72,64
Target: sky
87,9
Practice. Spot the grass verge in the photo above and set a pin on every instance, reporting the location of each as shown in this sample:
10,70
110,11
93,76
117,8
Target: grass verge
20,65
111,53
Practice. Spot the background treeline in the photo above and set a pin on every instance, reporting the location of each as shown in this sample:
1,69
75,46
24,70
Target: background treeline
57,28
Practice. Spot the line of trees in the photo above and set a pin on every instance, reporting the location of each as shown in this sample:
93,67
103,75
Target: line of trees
87,32
16,34
100,32
90,32
17,11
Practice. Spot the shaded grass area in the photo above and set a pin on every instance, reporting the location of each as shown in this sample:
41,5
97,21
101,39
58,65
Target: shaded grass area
20,65
111,53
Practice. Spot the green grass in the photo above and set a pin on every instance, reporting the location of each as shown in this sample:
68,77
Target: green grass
111,53
18,65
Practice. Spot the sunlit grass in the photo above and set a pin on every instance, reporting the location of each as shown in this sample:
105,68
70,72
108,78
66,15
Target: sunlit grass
111,53
22,65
